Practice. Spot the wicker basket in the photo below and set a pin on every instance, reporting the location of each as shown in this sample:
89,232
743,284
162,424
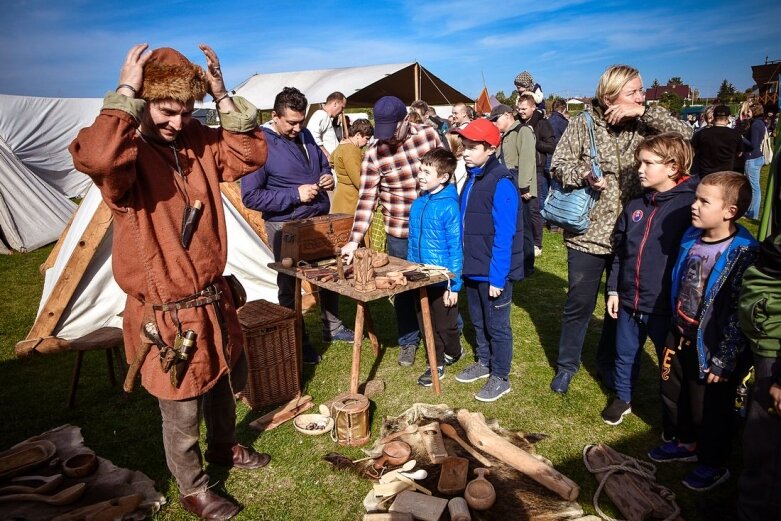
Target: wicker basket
270,345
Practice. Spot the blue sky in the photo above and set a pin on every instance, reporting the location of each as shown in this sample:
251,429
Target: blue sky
75,48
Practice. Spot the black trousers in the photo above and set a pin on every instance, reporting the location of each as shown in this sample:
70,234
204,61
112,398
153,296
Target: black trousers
445,324
759,487
699,412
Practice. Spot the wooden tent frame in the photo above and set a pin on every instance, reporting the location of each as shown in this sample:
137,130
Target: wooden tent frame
40,339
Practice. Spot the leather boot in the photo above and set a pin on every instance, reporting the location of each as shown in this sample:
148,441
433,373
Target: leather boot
237,456
208,505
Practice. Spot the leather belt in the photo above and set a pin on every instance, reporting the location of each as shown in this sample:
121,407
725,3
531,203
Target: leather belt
209,295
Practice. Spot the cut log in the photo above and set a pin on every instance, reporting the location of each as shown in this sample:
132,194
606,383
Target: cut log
488,441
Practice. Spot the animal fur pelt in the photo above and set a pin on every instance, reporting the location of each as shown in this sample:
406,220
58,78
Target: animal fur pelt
169,75
518,497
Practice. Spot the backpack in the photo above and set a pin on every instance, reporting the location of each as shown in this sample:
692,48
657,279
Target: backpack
759,306
767,148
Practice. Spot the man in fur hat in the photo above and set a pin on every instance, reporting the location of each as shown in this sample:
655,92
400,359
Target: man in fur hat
153,164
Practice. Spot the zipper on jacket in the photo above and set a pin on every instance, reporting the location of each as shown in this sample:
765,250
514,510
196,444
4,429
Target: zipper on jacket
639,261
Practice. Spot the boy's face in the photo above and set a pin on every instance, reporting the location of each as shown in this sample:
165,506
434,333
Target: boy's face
476,153
654,174
428,178
709,210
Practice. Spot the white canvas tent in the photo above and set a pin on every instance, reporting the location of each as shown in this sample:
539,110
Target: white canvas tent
36,171
80,296
362,85
32,213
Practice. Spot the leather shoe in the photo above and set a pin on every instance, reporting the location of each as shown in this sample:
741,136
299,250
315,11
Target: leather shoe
560,382
208,505
237,456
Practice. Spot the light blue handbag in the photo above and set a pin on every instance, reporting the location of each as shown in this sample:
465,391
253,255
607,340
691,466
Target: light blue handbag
569,208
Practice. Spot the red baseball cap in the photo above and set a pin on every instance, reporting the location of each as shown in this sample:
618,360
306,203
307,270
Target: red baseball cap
481,130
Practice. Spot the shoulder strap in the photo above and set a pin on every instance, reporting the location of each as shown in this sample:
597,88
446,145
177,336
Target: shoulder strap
592,145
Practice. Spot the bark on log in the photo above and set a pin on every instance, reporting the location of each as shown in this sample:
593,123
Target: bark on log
488,441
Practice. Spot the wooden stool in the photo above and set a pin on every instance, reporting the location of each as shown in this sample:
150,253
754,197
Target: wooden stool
108,339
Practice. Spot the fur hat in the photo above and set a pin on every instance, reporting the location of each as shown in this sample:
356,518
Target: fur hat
169,75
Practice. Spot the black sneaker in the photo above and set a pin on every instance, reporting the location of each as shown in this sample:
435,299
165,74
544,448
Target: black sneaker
341,334
425,379
614,413
450,360
407,354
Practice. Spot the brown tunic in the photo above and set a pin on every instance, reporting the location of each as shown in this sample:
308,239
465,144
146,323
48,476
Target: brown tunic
139,181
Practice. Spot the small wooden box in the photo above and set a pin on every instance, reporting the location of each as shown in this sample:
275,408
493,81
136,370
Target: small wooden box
269,332
317,237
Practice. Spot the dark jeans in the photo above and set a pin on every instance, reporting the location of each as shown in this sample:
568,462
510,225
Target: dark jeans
404,303
632,330
543,185
584,274
286,288
759,486
528,237
700,412
181,422
491,320
536,217
447,338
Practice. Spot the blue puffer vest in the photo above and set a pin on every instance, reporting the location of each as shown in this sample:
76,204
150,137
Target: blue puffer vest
478,224
435,232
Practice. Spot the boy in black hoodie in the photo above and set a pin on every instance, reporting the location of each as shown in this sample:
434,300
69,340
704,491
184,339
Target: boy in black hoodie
646,240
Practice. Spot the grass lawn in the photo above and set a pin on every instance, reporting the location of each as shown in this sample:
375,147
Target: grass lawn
298,485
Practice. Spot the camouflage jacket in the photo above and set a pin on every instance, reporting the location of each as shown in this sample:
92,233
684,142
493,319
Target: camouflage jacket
616,152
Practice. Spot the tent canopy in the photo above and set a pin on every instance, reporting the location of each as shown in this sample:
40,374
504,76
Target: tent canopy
362,85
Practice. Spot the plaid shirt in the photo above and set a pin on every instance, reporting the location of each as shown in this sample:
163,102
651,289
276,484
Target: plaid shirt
392,174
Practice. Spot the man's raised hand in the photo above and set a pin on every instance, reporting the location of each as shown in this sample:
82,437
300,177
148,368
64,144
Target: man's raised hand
131,76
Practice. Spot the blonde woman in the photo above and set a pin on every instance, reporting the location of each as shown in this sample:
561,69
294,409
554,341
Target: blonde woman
621,121
347,164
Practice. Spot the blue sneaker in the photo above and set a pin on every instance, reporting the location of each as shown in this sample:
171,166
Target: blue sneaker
473,372
560,382
672,451
493,389
341,333
704,477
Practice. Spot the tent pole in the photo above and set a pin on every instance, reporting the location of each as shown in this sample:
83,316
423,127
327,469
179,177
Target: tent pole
71,275
416,70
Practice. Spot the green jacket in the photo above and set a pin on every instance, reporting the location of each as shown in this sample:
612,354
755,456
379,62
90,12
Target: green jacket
616,152
759,306
516,152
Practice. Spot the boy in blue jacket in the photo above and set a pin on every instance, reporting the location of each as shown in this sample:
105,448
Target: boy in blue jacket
492,224
646,240
435,238
705,356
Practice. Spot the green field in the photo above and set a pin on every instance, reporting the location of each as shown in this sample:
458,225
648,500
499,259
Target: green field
297,485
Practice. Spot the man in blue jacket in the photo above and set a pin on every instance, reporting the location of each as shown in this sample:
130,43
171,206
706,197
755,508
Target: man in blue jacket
292,185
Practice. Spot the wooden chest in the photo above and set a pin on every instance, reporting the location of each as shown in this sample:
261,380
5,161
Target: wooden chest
317,237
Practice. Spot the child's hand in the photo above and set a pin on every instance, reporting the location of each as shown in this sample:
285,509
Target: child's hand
714,379
450,299
775,394
494,292
612,306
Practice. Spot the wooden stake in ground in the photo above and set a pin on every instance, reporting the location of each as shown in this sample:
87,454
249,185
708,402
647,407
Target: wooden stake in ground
488,441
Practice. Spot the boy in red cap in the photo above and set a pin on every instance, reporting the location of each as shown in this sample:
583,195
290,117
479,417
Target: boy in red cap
493,256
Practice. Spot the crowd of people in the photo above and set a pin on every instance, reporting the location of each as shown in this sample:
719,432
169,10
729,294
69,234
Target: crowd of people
465,194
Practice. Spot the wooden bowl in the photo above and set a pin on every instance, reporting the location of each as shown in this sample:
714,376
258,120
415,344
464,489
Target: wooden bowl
394,453
313,424
380,259
480,493
81,465
398,277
